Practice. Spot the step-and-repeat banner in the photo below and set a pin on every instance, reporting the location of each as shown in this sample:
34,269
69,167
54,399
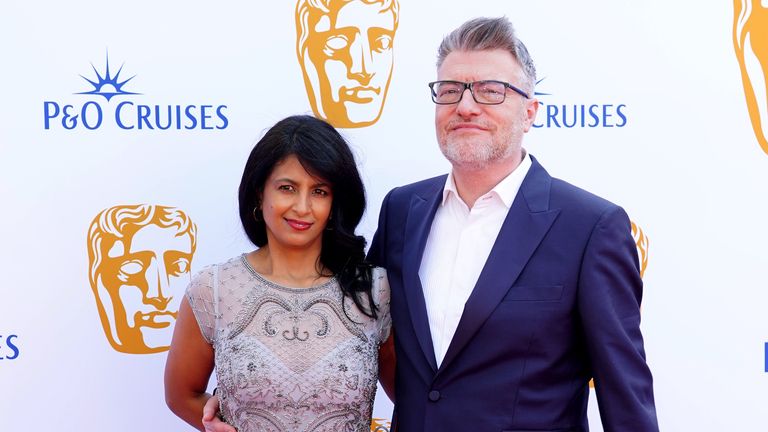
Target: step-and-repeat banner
125,126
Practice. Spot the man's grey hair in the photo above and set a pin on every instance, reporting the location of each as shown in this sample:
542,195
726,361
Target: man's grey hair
481,34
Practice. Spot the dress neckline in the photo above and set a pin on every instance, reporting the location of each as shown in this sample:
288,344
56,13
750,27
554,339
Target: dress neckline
264,280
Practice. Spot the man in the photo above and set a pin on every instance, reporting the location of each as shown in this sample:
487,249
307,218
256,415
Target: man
510,288
139,264
344,48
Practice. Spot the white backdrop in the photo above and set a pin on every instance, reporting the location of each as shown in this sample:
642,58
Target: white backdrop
682,159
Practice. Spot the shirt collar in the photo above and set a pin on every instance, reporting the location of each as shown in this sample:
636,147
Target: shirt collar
505,190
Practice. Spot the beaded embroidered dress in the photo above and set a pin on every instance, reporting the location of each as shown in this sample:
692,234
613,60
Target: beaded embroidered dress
290,359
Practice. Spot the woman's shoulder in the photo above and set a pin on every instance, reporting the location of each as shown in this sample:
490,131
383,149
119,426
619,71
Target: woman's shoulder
378,273
379,286
224,272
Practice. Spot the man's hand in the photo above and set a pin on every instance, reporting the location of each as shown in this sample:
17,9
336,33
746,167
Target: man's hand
211,420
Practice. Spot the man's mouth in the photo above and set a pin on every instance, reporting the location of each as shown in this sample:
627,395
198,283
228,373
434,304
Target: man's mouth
465,126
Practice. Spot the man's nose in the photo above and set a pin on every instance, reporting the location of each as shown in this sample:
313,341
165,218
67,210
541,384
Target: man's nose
157,285
467,106
360,60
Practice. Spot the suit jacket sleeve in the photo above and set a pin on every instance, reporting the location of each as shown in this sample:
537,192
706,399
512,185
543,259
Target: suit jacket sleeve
376,254
610,291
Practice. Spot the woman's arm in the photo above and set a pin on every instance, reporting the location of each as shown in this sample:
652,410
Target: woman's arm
188,369
387,365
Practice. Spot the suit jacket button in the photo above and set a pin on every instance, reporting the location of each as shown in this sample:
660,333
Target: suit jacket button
434,395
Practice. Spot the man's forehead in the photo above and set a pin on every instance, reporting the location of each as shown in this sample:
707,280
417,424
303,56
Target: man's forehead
479,65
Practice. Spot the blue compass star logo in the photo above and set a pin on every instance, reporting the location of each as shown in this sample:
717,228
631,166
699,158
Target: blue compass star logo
537,93
107,85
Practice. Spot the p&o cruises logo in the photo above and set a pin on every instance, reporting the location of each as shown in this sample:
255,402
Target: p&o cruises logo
9,347
127,114
578,115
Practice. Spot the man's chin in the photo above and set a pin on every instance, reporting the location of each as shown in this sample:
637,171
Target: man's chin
466,151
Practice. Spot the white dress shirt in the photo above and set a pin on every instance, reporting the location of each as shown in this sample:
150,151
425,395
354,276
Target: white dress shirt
459,243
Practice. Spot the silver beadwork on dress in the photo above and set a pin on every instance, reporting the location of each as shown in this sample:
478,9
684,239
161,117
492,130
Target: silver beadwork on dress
290,359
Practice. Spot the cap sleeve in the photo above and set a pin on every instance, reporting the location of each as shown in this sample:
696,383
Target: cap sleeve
200,296
381,297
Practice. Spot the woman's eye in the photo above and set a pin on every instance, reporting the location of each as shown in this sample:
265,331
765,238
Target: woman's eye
286,188
321,192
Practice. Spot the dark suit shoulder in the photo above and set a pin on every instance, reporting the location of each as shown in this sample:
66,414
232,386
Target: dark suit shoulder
572,198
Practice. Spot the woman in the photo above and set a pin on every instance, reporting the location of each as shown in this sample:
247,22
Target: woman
292,328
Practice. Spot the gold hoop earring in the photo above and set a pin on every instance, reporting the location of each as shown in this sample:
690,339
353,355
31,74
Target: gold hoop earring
258,217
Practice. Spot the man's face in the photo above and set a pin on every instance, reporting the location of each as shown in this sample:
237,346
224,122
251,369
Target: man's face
750,32
352,59
475,136
141,284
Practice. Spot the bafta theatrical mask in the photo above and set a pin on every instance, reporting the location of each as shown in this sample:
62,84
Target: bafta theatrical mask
139,266
345,51
750,40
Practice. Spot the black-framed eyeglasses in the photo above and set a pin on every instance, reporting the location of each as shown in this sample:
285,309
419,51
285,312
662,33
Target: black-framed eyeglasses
487,92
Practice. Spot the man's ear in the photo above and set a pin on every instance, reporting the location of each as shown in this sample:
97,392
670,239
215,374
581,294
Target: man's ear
531,108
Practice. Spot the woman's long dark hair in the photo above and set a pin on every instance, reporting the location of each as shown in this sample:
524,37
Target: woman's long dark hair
324,153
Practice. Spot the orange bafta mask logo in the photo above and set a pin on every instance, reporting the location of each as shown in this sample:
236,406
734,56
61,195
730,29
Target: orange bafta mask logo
750,40
641,241
139,260
345,49
380,425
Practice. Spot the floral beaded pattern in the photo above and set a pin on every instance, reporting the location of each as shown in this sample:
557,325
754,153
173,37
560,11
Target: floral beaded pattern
290,359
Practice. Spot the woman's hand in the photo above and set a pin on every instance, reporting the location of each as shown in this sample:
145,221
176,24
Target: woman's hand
211,420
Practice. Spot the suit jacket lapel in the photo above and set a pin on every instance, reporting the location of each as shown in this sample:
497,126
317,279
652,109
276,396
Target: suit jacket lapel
527,222
420,215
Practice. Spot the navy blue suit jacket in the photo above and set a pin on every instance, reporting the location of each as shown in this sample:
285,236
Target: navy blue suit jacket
557,303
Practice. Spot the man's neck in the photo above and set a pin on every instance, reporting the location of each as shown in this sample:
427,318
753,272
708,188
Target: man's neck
473,182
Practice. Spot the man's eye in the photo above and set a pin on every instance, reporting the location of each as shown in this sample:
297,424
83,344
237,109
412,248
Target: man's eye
489,91
447,91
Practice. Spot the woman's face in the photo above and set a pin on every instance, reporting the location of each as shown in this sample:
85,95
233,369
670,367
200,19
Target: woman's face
296,206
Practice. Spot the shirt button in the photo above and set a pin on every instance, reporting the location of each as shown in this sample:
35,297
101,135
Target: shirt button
434,395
